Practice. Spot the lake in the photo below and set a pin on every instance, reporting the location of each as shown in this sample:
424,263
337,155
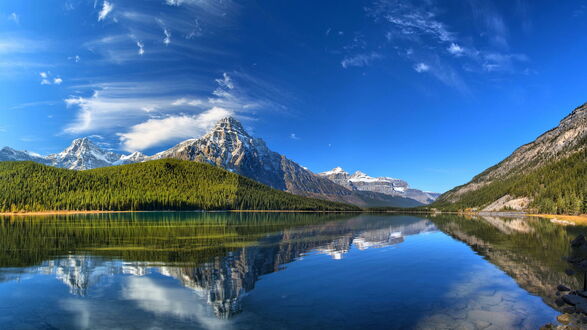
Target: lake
280,271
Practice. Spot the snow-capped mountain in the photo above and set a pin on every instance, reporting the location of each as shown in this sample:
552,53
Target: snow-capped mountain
9,154
228,145
82,154
384,185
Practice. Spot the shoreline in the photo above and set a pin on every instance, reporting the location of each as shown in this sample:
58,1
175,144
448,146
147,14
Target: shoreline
579,219
43,213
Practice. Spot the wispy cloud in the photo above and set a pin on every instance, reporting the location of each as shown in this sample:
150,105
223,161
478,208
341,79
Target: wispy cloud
107,7
185,101
13,44
410,21
431,45
455,49
294,136
14,17
141,46
360,60
167,39
421,67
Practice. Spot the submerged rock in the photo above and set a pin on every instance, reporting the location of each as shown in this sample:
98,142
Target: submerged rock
578,241
572,299
564,318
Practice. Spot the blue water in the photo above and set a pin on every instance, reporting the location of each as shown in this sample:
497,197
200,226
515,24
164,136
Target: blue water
351,272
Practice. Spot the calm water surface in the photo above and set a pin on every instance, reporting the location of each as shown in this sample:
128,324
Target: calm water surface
279,271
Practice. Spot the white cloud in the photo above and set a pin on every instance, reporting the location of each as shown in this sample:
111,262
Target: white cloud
75,58
106,9
455,49
47,80
421,67
141,48
167,39
293,136
154,132
360,60
156,298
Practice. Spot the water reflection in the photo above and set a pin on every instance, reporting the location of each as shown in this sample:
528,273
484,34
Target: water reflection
530,250
223,272
131,264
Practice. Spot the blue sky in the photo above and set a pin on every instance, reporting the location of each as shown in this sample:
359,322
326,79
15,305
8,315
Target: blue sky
432,92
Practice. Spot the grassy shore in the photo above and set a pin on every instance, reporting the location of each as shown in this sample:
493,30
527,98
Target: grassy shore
578,219
43,213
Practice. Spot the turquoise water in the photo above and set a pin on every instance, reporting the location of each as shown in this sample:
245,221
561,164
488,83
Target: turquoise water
279,271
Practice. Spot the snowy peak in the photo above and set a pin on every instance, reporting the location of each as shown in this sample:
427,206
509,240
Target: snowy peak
228,128
9,154
83,154
384,185
135,157
336,170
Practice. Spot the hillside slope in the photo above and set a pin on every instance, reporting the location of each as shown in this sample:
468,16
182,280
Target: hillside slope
167,184
547,175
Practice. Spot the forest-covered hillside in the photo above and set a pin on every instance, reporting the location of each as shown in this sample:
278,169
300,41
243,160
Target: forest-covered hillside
559,188
167,184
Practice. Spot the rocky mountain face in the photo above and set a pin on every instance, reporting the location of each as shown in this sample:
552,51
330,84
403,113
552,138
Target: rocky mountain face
229,146
567,138
360,181
83,154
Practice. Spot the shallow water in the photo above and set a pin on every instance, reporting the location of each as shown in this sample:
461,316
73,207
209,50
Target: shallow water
280,271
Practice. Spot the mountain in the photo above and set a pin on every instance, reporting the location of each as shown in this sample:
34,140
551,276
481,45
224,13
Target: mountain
360,181
82,154
229,146
546,175
167,184
9,154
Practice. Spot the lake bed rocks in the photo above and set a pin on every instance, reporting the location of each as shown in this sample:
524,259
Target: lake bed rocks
573,303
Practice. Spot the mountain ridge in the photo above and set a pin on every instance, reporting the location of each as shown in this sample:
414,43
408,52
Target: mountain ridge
547,174
360,181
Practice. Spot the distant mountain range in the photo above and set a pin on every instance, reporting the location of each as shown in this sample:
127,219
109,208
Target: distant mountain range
360,181
229,146
547,175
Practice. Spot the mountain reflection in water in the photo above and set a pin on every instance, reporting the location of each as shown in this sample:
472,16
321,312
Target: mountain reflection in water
219,258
